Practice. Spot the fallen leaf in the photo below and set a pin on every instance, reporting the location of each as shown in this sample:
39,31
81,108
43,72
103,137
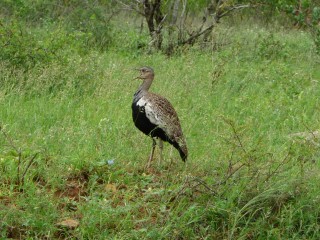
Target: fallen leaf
69,223
110,188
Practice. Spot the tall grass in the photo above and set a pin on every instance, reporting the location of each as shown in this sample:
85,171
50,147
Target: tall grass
241,100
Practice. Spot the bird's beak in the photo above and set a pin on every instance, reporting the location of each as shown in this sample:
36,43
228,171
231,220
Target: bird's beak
139,77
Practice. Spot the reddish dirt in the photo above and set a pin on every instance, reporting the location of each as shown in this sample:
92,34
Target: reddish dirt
75,188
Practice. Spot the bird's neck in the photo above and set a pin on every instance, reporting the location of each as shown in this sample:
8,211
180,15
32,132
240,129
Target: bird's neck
144,87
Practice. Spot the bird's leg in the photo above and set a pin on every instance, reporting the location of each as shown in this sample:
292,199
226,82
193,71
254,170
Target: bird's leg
171,158
154,143
161,150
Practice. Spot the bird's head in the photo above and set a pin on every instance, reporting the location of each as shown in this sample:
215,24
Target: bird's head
146,73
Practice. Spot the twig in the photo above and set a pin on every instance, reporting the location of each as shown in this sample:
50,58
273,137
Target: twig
309,130
28,166
235,134
160,25
180,191
229,175
204,184
198,34
232,9
194,35
131,7
279,165
19,164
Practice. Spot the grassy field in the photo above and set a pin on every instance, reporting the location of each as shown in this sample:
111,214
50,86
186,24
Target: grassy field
72,162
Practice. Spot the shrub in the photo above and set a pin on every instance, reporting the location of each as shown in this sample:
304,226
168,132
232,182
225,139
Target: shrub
20,48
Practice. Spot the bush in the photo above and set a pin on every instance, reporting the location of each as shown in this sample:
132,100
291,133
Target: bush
88,24
21,48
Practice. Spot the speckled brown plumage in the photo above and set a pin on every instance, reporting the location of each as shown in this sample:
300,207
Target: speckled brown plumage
155,116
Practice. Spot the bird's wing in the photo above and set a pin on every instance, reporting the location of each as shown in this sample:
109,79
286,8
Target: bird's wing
150,110
161,111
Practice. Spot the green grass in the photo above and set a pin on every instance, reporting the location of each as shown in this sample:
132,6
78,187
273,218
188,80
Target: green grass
246,177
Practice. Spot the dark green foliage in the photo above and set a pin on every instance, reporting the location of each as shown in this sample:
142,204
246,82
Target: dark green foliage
21,48
72,25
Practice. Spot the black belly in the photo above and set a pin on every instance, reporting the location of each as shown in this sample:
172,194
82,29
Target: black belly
144,125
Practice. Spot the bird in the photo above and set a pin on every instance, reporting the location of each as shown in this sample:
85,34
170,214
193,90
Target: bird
155,116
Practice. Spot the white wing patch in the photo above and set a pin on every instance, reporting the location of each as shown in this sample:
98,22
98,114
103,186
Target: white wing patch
151,113
142,102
